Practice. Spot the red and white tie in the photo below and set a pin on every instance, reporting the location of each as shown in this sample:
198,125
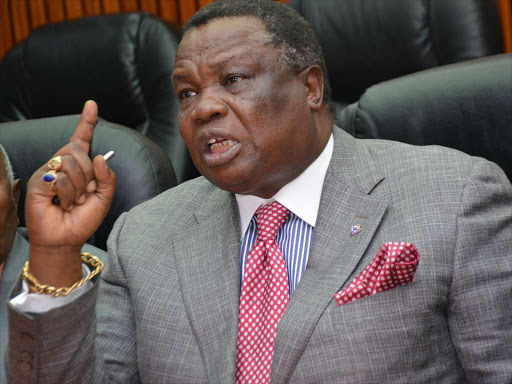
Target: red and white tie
264,298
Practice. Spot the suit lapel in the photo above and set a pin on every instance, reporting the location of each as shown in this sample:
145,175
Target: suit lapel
334,253
208,262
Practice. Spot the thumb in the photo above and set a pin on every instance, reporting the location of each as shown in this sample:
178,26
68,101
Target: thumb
105,179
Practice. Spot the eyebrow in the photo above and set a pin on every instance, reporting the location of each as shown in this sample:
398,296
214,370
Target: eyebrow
177,77
221,62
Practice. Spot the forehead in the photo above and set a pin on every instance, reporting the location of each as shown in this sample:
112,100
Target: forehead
222,39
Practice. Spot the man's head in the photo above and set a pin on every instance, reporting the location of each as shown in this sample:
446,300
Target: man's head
9,196
253,113
288,31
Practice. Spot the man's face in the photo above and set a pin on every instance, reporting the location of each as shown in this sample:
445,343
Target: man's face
244,115
8,212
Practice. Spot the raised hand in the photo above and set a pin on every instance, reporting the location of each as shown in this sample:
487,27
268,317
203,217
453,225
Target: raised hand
84,188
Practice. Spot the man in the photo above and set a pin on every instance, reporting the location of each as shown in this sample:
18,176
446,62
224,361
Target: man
14,245
198,290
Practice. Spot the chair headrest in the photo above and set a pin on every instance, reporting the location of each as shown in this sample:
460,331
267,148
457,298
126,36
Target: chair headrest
122,61
466,106
366,42
101,58
142,168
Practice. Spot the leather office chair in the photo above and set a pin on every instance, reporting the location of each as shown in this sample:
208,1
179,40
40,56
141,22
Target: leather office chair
142,168
466,106
366,42
123,61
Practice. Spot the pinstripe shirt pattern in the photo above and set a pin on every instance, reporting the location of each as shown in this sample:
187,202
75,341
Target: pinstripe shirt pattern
294,238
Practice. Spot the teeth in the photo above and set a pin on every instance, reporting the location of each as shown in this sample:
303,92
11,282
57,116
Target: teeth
212,141
226,143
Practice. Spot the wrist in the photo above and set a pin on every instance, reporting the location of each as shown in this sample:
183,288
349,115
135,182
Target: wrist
37,287
56,266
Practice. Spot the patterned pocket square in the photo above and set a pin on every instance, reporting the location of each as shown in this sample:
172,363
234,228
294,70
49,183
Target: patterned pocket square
393,266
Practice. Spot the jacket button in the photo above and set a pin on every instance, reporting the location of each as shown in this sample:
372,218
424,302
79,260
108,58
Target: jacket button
27,337
25,366
26,356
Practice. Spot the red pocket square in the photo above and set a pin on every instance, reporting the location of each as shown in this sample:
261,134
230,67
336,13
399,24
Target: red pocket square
393,266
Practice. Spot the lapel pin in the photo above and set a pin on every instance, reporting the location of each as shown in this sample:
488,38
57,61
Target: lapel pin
354,230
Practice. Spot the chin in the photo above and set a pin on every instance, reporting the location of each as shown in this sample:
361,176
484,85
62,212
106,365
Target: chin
230,186
231,183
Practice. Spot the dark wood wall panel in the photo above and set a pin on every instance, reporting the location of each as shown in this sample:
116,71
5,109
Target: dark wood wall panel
111,6
169,11
6,38
74,9
186,9
19,17
54,10
20,21
92,7
202,3
129,5
150,6
505,7
37,9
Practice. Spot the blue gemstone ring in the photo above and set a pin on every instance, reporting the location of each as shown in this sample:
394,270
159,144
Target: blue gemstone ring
50,178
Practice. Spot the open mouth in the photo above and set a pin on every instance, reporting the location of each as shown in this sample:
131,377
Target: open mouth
220,151
219,145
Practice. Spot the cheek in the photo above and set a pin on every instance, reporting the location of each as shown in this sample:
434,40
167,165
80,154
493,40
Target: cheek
8,217
185,131
280,103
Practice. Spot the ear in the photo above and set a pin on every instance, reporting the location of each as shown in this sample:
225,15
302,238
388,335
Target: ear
16,191
313,79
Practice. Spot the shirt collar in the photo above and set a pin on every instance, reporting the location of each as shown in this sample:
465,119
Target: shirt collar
301,195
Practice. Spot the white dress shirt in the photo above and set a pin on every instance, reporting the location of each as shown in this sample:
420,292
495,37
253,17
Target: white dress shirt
302,198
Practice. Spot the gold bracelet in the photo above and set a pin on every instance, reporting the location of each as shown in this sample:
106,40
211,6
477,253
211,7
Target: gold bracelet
37,287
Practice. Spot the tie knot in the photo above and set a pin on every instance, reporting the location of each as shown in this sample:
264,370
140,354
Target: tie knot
270,218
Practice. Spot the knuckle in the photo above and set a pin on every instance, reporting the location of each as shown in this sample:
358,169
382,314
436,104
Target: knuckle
69,162
74,148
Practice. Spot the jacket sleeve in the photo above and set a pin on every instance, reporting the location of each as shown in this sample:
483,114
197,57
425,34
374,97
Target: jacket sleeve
480,309
65,345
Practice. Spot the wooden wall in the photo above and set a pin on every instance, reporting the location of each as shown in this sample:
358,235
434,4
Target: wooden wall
505,8
19,17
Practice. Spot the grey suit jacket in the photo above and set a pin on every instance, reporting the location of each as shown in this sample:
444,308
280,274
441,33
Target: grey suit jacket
168,302
12,269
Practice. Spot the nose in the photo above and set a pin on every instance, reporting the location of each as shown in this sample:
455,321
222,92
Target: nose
209,107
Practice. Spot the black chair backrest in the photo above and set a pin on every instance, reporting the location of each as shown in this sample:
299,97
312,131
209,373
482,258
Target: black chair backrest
142,168
123,61
369,41
466,106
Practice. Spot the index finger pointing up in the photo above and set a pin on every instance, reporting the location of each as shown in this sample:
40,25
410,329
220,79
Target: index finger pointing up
85,127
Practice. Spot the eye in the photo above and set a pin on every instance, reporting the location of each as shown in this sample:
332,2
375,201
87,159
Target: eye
232,79
186,94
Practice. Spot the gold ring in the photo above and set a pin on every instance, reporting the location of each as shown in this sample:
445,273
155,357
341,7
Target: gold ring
50,178
55,163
